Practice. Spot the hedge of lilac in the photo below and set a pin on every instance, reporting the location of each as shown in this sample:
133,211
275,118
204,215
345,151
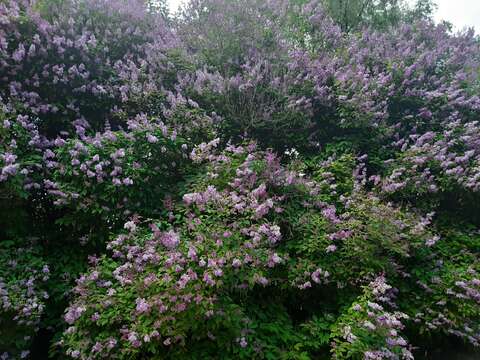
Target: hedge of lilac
244,180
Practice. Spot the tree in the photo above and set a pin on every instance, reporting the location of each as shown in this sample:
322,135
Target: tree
354,14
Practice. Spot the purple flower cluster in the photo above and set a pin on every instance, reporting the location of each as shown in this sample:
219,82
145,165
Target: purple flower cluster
374,327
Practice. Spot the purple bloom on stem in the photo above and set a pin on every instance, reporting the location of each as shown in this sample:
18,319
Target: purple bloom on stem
170,239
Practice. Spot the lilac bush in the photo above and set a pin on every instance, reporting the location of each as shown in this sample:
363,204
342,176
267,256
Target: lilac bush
256,179
248,223
71,64
22,298
392,83
119,173
370,330
447,289
72,69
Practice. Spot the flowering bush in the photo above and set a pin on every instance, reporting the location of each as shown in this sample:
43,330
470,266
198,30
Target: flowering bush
368,330
256,179
116,174
23,274
250,223
448,289
326,84
71,63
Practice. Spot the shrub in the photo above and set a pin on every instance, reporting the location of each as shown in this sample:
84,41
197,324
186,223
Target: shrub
197,276
23,274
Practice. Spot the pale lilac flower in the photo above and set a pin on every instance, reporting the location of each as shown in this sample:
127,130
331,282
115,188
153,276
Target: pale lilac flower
243,343
142,306
331,248
170,239
130,226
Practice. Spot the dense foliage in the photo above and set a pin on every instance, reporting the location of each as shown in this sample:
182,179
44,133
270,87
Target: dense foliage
244,180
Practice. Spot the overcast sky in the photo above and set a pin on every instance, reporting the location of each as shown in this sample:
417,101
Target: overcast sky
461,13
